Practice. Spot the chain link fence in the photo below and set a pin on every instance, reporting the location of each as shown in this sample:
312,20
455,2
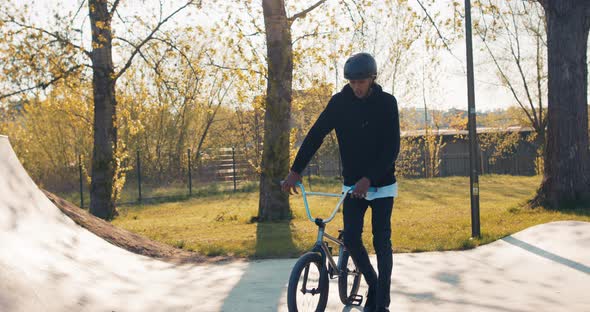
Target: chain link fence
229,169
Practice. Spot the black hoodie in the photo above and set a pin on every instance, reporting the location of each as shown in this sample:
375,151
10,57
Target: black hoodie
368,136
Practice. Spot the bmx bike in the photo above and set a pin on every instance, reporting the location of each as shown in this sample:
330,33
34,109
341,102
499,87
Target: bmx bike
309,281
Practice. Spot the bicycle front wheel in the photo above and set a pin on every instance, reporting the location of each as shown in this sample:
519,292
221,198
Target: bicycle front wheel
308,285
349,279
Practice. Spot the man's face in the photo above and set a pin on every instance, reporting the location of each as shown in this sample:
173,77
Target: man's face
361,87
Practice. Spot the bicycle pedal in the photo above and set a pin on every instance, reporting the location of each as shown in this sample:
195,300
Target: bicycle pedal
356,300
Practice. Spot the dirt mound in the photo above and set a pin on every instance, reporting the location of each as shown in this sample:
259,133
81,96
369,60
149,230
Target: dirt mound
130,241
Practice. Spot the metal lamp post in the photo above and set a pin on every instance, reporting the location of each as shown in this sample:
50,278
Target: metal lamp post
473,167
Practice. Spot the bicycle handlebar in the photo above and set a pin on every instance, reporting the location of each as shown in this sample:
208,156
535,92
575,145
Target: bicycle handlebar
341,196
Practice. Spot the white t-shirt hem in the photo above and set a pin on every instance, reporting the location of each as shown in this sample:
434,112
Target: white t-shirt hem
382,191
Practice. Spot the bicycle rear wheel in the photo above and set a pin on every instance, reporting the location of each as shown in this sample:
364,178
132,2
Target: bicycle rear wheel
308,285
349,278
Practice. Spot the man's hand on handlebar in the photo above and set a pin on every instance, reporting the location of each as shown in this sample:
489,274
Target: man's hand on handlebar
289,185
361,188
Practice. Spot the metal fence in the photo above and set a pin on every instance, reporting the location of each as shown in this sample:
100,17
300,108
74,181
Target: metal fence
229,170
214,170
519,163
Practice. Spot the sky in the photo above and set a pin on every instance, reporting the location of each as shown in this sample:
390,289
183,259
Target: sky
489,95
452,82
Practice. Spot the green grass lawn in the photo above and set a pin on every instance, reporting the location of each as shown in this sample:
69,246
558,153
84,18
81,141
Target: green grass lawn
429,214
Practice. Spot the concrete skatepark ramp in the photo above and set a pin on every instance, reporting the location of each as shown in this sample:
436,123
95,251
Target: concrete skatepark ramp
49,263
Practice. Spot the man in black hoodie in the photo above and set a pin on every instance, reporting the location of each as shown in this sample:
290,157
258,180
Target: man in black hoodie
366,121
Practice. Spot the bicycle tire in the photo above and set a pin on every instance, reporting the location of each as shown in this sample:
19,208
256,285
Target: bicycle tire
343,286
323,285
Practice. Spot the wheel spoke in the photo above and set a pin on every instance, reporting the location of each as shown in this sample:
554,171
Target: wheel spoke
305,274
308,299
349,279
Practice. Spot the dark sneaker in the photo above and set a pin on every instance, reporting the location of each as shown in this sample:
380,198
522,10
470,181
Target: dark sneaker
382,309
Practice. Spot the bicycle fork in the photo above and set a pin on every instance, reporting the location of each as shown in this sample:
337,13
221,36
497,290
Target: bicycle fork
325,251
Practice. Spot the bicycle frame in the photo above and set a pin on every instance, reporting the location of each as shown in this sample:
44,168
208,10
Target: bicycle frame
320,245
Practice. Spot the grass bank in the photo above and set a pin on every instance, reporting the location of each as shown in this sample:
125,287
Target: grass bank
429,214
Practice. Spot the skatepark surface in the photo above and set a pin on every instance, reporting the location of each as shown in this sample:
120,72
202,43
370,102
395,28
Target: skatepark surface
49,263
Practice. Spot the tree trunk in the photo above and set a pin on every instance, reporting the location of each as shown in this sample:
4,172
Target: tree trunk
274,204
102,202
566,180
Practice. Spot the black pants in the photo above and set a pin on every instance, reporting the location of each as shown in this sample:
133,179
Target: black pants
354,213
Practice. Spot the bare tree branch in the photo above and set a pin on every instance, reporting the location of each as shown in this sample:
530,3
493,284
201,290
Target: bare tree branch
513,39
516,54
212,63
114,8
253,18
347,6
148,38
153,62
170,44
507,81
362,16
79,9
252,34
237,68
182,54
249,42
54,35
444,40
539,73
211,116
43,84
73,113
304,12
313,34
349,10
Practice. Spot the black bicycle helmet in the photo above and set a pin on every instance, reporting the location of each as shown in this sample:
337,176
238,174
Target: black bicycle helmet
360,66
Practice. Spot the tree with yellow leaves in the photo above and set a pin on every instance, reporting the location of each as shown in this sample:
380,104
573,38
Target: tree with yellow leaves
66,56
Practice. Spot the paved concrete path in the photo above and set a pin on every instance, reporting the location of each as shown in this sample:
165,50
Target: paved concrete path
48,263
